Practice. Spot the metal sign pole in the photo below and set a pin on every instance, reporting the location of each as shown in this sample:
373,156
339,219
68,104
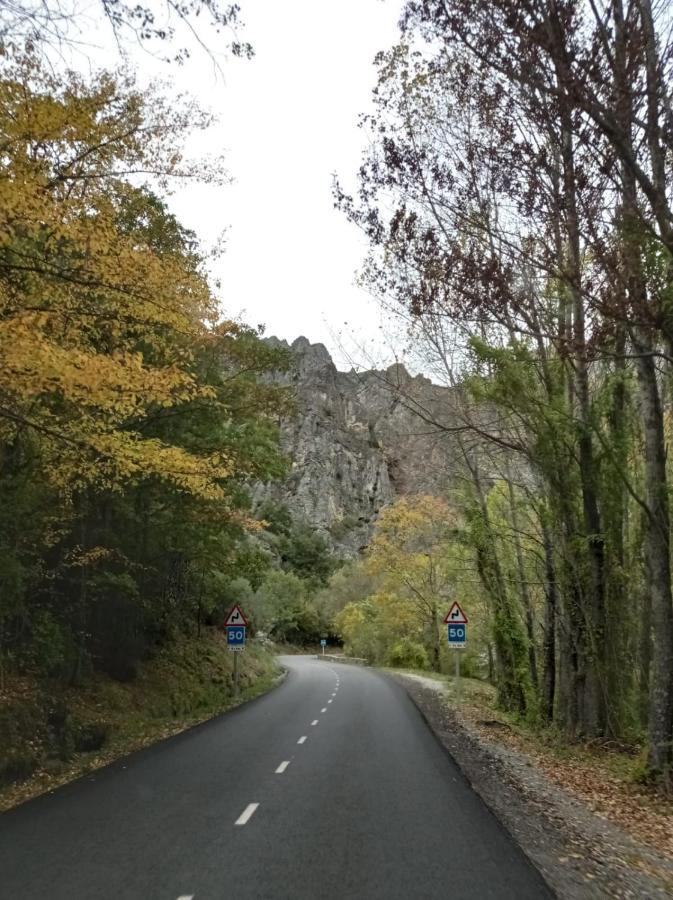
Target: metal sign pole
457,636
457,652
236,676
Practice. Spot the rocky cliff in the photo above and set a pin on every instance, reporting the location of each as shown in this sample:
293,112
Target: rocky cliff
356,443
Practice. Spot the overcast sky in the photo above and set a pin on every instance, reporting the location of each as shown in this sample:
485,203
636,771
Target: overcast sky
287,121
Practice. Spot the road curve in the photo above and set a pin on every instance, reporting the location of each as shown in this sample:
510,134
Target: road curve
367,805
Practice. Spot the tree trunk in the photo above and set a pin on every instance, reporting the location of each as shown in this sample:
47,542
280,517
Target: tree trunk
592,712
645,656
657,547
509,643
82,598
436,646
582,705
523,588
549,646
657,565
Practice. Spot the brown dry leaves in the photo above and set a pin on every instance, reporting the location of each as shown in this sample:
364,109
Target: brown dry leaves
589,777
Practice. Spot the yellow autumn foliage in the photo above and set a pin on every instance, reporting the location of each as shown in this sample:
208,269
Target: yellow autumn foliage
99,316
410,547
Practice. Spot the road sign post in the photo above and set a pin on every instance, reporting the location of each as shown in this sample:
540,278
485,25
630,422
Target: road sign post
236,626
323,644
457,677
456,633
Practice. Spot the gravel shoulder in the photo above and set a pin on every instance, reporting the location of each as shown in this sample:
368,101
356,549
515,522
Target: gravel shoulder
580,854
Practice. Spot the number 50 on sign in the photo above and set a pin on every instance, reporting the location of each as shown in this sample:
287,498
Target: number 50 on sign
457,635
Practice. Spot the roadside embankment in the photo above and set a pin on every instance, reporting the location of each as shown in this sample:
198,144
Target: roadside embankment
577,811
51,734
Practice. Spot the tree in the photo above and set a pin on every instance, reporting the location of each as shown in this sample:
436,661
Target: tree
384,628
305,553
95,317
284,609
409,552
152,26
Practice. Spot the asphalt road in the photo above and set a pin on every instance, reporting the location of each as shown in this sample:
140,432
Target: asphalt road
330,787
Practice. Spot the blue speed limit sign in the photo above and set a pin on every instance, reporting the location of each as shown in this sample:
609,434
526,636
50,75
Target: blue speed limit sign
457,635
236,637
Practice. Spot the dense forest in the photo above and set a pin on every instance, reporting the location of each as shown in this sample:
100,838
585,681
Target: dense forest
517,198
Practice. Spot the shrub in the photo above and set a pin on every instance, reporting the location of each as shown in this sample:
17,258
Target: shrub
408,654
472,663
51,650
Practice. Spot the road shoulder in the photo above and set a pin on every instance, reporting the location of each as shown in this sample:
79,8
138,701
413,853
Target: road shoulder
579,854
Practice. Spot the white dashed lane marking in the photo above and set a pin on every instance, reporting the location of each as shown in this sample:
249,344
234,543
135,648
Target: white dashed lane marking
247,814
251,808
186,897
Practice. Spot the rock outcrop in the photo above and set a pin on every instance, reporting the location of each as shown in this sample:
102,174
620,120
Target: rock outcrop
358,440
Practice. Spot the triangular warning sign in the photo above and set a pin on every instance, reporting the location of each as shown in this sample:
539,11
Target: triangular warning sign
455,616
236,617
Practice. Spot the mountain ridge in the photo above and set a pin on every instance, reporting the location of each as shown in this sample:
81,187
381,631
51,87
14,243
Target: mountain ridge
356,443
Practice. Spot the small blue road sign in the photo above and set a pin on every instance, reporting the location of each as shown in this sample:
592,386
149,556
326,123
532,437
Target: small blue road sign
457,635
236,637
323,642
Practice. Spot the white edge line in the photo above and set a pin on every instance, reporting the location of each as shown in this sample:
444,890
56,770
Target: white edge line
247,813
301,740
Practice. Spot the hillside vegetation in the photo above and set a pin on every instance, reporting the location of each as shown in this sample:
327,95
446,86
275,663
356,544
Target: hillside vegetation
51,732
